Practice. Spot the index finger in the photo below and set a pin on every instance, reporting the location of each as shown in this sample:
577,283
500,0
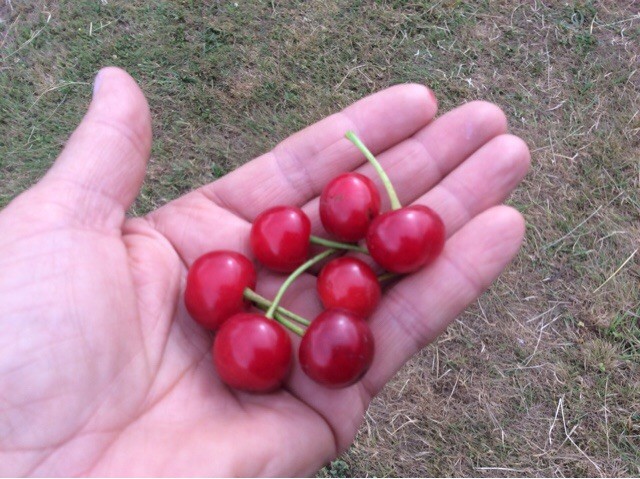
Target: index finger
296,169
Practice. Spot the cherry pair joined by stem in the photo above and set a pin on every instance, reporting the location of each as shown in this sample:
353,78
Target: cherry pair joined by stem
405,239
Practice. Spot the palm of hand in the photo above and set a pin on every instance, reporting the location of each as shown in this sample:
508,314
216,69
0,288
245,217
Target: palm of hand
103,372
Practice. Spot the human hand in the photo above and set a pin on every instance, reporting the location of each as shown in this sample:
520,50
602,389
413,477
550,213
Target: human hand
102,371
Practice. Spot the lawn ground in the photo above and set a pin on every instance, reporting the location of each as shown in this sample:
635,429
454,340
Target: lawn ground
542,375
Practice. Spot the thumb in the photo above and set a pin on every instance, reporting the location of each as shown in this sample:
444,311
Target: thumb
99,173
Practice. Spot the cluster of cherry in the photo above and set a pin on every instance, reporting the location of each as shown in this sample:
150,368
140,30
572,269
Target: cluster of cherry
252,352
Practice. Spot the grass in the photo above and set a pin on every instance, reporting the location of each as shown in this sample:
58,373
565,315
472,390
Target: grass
542,375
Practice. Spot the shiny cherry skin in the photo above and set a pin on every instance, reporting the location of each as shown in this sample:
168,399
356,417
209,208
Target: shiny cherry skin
215,285
405,240
252,353
280,238
337,349
350,284
348,203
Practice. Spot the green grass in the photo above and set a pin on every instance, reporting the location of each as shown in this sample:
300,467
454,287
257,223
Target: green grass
226,83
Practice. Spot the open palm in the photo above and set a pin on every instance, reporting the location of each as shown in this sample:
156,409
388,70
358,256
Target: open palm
102,371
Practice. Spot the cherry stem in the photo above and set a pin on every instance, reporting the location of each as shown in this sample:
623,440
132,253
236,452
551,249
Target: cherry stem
280,318
393,197
387,276
301,269
264,304
337,244
288,324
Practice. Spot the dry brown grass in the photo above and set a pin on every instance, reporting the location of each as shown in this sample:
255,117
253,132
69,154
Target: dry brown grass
530,381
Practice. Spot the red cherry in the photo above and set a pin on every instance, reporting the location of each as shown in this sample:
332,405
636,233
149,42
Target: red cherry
215,284
280,238
337,349
252,353
404,240
347,205
350,284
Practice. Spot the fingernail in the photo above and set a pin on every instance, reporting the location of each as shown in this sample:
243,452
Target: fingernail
96,83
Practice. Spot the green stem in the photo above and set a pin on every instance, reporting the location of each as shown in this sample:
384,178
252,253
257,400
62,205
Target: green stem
387,276
393,197
288,324
264,304
337,244
301,269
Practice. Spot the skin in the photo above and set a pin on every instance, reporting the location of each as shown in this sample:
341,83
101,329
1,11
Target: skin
103,373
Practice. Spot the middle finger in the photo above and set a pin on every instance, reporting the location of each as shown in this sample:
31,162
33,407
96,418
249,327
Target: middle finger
418,163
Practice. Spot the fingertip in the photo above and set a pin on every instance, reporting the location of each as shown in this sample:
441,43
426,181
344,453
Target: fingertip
118,98
403,109
517,146
489,114
424,97
509,225
521,149
491,239
111,75
514,153
432,100
100,170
